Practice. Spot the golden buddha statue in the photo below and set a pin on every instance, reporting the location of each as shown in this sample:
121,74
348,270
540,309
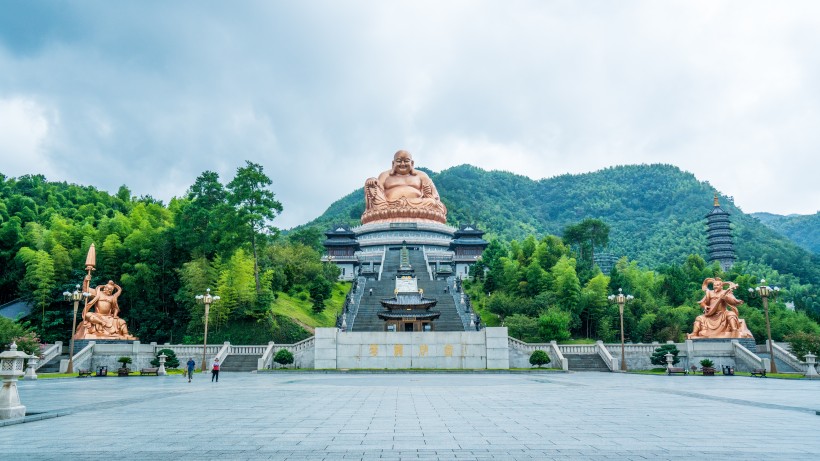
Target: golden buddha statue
402,194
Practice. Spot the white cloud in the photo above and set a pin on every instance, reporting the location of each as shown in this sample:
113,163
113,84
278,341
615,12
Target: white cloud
322,95
24,129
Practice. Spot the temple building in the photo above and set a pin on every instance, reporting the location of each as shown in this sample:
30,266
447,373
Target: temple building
719,244
404,234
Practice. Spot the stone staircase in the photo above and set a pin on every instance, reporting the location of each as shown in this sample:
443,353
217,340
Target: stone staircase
244,363
53,365
367,317
586,362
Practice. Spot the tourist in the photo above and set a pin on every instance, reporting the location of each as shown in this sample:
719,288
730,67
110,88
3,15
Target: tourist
215,371
191,365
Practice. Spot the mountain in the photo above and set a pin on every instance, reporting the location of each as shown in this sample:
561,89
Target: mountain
803,230
655,212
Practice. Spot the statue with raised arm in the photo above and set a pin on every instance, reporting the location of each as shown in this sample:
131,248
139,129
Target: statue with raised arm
103,322
402,193
720,316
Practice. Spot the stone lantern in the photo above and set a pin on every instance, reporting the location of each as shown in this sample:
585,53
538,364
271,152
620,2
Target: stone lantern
11,368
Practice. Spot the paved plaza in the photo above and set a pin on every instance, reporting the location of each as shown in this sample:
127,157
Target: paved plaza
418,416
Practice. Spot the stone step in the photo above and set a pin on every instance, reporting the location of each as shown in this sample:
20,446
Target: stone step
53,365
586,362
370,305
245,363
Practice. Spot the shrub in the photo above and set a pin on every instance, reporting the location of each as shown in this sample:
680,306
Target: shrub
706,363
124,361
659,356
171,361
539,358
804,343
283,357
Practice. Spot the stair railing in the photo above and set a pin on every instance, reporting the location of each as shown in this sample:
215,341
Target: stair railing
53,350
381,266
223,353
82,359
788,358
606,356
427,262
746,356
266,359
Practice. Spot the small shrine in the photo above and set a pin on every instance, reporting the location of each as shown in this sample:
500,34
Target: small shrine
408,310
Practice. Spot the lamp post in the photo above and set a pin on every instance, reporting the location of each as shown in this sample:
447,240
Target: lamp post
621,299
207,300
764,291
75,296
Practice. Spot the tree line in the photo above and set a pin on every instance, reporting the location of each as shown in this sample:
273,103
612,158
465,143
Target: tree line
217,236
550,289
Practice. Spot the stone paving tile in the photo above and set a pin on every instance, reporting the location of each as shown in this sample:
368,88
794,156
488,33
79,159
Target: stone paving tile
383,416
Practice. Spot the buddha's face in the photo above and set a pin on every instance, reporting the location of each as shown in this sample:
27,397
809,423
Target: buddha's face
402,162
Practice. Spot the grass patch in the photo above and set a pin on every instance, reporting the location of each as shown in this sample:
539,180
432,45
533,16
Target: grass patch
578,341
302,310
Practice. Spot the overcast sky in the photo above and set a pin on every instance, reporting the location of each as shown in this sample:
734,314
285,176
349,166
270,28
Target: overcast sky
151,94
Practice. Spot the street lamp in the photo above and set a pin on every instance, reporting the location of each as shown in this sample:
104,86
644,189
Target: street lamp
207,300
764,291
75,296
621,299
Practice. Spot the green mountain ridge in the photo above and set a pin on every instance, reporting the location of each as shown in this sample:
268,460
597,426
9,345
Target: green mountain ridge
656,213
803,230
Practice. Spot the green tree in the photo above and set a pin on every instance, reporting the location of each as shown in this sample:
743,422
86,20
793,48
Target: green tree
659,356
171,360
539,358
553,325
255,206
283,357
566,286
39,282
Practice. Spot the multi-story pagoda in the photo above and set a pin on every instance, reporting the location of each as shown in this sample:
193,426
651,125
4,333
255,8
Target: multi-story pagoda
719,244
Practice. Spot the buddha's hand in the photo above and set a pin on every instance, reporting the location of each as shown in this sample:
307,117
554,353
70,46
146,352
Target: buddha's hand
371,182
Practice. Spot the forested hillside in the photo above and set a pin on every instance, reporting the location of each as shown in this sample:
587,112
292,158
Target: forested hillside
655,213
803,230
218,236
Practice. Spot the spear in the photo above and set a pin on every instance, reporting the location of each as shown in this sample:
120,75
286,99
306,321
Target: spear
91,259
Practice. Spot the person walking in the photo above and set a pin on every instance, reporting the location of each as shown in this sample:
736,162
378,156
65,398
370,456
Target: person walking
215,371
191,364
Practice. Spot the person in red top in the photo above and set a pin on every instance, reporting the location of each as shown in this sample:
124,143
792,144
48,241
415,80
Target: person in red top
215,371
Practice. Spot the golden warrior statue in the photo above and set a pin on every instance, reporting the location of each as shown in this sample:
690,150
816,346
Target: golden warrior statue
402,193
720,317
104,321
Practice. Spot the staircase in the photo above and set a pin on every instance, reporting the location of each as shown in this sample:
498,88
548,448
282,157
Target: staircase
53,365
367,318
244,363
586,362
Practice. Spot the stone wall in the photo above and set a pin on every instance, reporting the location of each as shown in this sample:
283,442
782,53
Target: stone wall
391,350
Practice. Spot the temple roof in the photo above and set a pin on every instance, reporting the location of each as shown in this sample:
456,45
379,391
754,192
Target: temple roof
416,314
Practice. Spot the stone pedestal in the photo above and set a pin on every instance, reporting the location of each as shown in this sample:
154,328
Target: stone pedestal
11,367
31,374
161,371
811,372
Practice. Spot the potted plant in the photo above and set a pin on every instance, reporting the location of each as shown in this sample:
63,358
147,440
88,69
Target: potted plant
123,371
707,367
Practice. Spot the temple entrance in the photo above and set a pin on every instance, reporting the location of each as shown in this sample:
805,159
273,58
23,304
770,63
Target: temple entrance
408,326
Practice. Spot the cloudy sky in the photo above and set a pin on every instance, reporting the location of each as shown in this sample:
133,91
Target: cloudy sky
151,94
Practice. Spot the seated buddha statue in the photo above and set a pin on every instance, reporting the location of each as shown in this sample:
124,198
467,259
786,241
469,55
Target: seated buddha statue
402,193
